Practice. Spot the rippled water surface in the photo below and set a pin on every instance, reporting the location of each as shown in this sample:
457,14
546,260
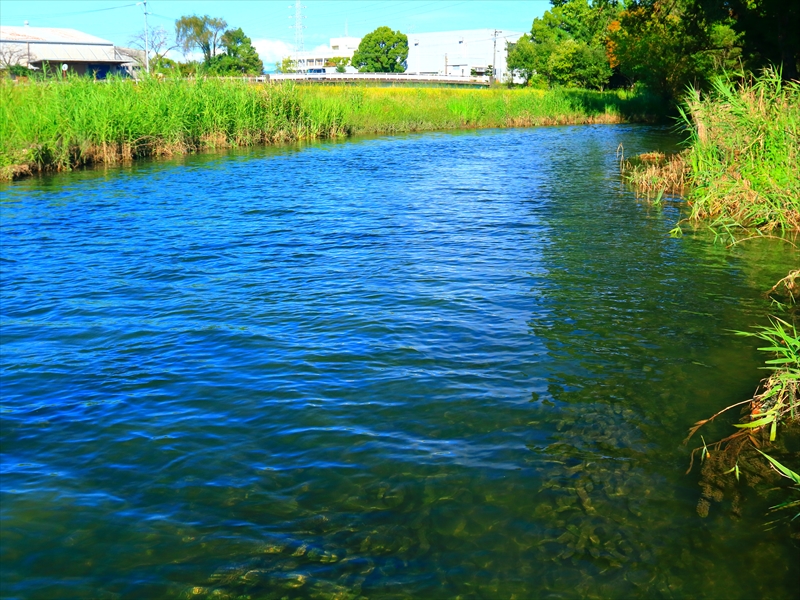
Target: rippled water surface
433,366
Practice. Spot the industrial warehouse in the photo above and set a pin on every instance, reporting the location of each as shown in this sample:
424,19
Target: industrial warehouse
464,53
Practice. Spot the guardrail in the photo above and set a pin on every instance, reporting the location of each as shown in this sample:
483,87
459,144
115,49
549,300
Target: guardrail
382,77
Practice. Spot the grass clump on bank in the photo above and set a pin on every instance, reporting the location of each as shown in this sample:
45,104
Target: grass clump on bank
59,125
741,171
742,167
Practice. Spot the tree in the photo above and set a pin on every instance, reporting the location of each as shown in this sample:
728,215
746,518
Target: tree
157,42
768,30
382,51
199,32
669,45
340,62
287,65
239,56
12,57
567,45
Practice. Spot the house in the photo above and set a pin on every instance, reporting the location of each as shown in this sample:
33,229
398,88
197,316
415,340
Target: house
54,48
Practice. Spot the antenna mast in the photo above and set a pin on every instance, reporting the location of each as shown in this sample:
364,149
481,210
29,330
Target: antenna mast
298,32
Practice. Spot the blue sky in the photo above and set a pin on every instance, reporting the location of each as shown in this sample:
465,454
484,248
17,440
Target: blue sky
267,22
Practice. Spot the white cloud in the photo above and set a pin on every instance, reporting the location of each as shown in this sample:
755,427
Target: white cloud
272,51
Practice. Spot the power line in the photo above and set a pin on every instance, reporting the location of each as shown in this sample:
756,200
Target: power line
50,17
348,12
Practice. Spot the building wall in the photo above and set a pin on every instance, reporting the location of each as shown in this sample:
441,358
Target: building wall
439,53
343,46
459,52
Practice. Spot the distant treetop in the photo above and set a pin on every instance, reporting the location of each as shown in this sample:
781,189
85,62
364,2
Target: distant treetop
382,51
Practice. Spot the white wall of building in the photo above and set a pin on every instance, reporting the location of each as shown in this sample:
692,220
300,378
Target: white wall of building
454,53
342,46
459,52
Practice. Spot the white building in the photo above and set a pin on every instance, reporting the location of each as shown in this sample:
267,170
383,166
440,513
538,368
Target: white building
460,53
343,47
454,53
82,53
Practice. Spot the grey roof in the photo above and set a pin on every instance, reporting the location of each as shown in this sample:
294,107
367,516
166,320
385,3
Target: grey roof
58,45
54,35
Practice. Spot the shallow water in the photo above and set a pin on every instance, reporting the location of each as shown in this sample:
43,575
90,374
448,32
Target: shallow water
429,366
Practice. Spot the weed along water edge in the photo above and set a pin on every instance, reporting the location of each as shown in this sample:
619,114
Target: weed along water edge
239,375
82,122
740,173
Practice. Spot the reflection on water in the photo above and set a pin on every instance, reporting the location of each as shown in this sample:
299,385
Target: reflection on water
425,366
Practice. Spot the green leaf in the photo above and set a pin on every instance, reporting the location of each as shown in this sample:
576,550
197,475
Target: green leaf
785,471
756,423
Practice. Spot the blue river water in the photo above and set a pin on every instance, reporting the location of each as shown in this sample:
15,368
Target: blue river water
444,365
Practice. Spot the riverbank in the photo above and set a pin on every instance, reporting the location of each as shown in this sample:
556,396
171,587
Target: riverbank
741,168
63,125
740,174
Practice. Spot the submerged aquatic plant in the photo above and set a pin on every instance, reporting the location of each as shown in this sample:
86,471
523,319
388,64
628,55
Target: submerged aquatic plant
786,293
775,404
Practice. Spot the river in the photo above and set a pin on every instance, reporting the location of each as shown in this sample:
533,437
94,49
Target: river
443,365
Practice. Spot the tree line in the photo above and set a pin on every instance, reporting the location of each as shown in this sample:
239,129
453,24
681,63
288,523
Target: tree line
664,45
225,51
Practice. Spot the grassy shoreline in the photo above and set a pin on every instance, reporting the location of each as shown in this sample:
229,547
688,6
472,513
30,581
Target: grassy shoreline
740,175
57,126
741,169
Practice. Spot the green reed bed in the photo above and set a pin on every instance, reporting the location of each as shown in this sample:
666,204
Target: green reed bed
404,109
741,168
61,124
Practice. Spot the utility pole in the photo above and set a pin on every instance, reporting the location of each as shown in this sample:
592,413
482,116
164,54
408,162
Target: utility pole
494,59
146,39
445,64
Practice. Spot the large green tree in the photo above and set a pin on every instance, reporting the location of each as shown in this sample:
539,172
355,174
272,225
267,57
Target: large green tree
670,44
382,51
567,45
239,57
768,30
286,65
204,32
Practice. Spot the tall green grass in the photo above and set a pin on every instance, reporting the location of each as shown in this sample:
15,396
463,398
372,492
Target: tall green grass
745,146
742,165
63,124
382,109
58,125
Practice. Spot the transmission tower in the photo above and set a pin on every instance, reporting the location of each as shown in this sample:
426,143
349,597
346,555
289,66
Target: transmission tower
298,33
